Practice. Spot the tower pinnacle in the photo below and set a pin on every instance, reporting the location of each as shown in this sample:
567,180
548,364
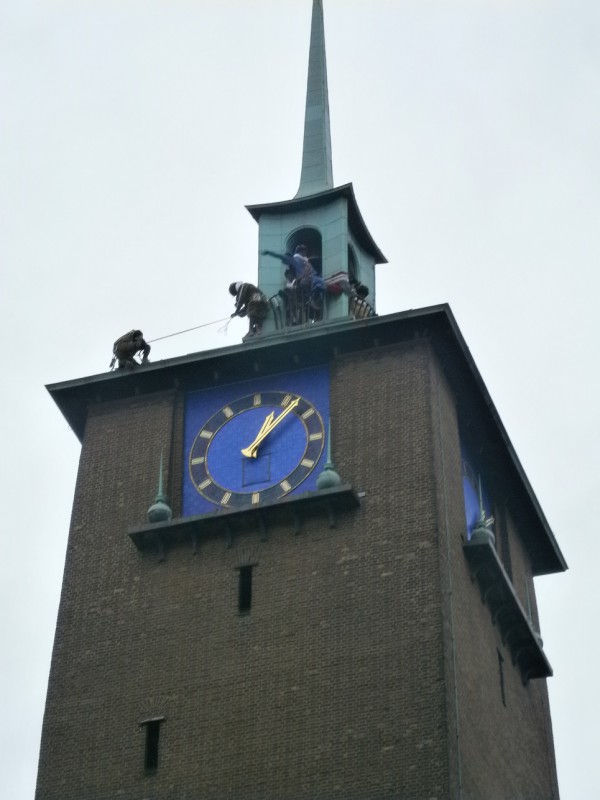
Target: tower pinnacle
317,172
325,220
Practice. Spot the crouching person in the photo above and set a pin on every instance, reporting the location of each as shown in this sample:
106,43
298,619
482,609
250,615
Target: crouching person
126,347
250,302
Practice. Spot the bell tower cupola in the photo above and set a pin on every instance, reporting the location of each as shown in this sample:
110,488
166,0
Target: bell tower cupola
321,225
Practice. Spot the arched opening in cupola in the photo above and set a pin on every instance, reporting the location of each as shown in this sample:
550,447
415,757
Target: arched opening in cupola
312,239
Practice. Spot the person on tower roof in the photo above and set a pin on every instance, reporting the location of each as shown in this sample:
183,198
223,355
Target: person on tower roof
250,302
306,279
126,347
304,273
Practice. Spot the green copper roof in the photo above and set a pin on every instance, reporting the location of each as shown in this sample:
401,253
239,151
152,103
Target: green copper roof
321,199
317,171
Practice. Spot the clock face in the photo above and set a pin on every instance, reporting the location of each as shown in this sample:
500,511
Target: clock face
249,447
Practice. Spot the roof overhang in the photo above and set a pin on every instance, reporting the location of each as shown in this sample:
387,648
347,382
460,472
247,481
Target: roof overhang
355,220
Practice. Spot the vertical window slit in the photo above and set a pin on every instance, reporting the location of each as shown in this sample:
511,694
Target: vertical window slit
501,676
245,589
152,727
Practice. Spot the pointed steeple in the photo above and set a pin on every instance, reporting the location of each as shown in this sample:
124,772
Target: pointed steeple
317,171
326,220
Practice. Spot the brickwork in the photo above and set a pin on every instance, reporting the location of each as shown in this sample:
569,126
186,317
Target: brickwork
367,666
382,445
94,656
450,519
505,750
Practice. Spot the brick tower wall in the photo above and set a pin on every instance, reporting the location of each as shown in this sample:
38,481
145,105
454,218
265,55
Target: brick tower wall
500,729
346,679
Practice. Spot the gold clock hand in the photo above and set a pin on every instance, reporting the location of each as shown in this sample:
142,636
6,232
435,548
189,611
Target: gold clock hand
268,425
251,450
264,429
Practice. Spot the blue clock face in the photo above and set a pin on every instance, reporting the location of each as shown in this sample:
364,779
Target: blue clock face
475,494
255,447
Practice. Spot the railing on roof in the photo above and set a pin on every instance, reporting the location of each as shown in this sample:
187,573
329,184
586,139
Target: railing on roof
359,308
293,308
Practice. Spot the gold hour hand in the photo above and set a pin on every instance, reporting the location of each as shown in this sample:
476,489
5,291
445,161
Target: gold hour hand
252,450
268,421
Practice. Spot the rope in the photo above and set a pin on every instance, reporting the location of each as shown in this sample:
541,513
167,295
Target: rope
187,330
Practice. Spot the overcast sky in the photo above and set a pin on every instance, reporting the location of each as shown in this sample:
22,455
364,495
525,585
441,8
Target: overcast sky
132,135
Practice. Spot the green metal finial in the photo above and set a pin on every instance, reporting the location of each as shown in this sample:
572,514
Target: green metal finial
483,529
160,511
329,478
483,520
317,171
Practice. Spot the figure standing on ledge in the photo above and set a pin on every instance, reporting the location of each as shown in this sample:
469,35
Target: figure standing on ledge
250,302
126,347
306,279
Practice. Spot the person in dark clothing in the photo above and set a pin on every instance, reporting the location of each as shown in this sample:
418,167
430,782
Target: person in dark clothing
250,302
307,282
126,347
305,274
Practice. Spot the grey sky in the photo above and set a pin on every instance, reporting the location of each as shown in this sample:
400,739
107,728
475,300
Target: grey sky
132,134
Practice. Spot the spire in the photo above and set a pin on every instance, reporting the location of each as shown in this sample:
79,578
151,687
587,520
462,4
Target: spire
317,172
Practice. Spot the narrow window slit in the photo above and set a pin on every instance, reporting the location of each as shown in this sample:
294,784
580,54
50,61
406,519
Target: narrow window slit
151,745
501,676
245,589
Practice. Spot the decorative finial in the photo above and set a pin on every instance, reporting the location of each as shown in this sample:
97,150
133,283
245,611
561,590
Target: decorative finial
329,478
483,530
160,511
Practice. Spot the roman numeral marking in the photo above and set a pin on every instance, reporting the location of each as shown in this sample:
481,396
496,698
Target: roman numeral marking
226,498
307,462
285,486
206,434
257,399
255,498
205,483
286,400
228,412
199,460
308,413
314,437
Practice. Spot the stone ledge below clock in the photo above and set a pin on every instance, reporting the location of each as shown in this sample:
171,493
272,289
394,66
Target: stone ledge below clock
228,522
498,593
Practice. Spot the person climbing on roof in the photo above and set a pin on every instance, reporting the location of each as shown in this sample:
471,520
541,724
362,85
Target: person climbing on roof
250,302
126,347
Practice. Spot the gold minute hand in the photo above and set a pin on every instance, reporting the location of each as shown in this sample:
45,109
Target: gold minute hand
252,450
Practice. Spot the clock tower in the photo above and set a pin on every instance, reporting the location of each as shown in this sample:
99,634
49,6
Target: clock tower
302,567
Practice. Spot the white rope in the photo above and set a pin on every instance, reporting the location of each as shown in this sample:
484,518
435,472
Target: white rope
187,330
